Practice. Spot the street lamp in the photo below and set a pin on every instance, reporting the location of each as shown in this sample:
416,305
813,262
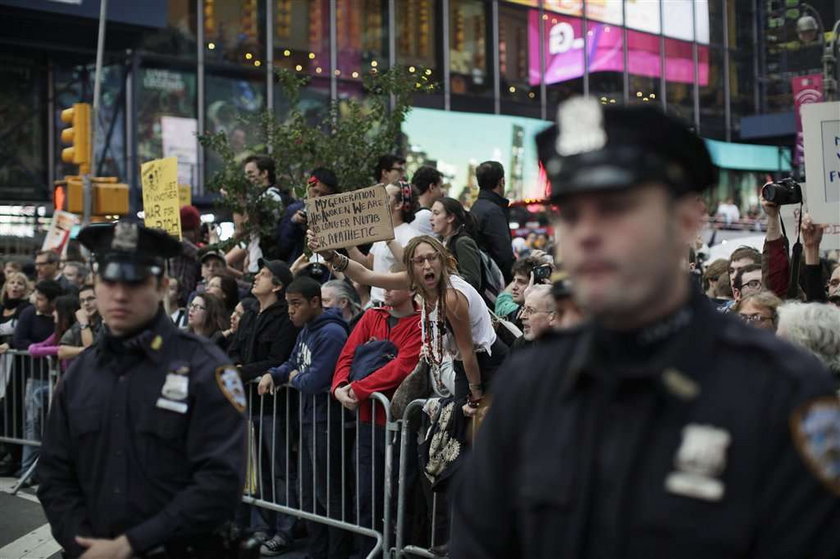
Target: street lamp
810,27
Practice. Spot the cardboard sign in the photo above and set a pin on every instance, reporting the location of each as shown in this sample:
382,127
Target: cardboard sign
351,218
59,232
161,205
821,192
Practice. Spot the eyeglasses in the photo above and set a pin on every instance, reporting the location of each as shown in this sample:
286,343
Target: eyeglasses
532,310
752,284
195,307
754,317
420,260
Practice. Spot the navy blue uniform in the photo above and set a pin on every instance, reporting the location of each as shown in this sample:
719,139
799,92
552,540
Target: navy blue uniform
703,438
146,437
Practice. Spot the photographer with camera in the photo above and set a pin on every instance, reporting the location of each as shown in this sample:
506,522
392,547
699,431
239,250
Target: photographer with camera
780,277
532,270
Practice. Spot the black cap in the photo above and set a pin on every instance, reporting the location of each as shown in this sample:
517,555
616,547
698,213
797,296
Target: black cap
127,251
213,254
596,148
279,270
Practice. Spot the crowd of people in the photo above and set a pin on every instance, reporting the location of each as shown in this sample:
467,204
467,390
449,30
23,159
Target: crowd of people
451,296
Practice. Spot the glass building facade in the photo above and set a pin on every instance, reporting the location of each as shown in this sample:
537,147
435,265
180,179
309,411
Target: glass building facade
206,63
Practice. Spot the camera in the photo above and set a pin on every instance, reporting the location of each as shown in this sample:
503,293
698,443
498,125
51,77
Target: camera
786,191
542,273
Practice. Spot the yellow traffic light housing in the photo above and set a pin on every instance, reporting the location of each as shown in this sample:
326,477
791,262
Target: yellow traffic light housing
109,196
77,136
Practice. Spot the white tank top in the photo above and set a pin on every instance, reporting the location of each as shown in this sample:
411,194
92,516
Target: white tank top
481,326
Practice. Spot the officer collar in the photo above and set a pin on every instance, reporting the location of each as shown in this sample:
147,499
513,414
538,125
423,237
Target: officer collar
149,340
674,351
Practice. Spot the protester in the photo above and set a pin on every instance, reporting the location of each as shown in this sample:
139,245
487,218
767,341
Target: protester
226,288
185,267
569,314
748,280
260,171
207,318
398,322
759,309
456,229
76,273
177,310
381,259
740,257
539,314
427,182
36,322
340,295
815,327
46,266
309,370
525,274
469,337
292,226
85,329
389,169
64,317
723,293
267,339
232,334
14,297
712,275
492,215
657,427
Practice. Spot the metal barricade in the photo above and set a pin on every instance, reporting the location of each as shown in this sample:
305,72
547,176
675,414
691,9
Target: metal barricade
300,450
26,388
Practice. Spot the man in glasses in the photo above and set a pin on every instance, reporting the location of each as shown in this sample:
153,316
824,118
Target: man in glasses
389,169
292,227
747,281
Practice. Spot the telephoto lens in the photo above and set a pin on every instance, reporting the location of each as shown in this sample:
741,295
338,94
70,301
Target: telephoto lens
782,193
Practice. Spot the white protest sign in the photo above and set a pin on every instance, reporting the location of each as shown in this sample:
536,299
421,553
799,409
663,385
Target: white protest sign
179,140
351,218
821,192
59,231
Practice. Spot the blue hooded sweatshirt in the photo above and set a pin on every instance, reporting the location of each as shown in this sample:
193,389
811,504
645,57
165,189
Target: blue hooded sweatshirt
316,352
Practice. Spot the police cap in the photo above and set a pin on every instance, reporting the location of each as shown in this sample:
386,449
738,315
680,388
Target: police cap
127,251
594,148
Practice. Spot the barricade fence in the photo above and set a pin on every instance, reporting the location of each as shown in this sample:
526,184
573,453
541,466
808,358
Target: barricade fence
353,476
26,388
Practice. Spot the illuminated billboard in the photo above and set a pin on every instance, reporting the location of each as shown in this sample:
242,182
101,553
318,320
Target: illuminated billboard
564,52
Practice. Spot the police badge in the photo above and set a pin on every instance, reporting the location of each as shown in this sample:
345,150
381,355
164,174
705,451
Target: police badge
815,427
700,459
231,386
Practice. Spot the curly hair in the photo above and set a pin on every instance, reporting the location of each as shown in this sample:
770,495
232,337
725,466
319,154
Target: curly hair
450,265
815,327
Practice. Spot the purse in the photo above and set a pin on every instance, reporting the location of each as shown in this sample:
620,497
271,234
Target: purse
416,385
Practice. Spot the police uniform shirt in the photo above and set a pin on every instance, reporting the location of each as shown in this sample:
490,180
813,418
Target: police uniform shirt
145,437
719,440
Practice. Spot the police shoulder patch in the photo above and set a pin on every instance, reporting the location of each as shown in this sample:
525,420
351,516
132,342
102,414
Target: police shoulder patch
815,426
231,386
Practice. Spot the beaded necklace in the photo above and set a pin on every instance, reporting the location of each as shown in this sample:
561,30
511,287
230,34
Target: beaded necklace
433,332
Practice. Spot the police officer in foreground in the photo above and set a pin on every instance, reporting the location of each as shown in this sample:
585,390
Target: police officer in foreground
144,450
659,428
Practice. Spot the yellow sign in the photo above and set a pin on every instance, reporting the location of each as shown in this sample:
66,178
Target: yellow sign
185,195
161,206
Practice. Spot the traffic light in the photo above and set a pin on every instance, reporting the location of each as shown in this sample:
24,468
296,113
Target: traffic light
109,196
77,136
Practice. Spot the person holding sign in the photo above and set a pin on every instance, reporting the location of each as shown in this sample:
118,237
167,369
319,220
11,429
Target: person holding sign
454,317
380,259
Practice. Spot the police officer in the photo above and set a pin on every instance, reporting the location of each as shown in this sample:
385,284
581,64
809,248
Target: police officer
659,428
144,450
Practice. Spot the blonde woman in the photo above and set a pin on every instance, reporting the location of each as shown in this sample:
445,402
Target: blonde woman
455,320
14,298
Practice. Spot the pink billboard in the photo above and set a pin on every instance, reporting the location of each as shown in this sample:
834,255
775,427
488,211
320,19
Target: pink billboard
564,48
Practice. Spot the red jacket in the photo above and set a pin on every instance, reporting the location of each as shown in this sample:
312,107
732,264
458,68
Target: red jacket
405,335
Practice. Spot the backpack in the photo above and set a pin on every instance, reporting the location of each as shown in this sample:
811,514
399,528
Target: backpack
492,280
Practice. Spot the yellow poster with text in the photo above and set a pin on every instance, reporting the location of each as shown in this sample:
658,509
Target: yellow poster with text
161,205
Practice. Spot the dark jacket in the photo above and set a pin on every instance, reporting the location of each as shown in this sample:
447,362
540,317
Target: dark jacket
32,328
290,235
466,253
315,356
125,454
491,212
710,445
265,340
